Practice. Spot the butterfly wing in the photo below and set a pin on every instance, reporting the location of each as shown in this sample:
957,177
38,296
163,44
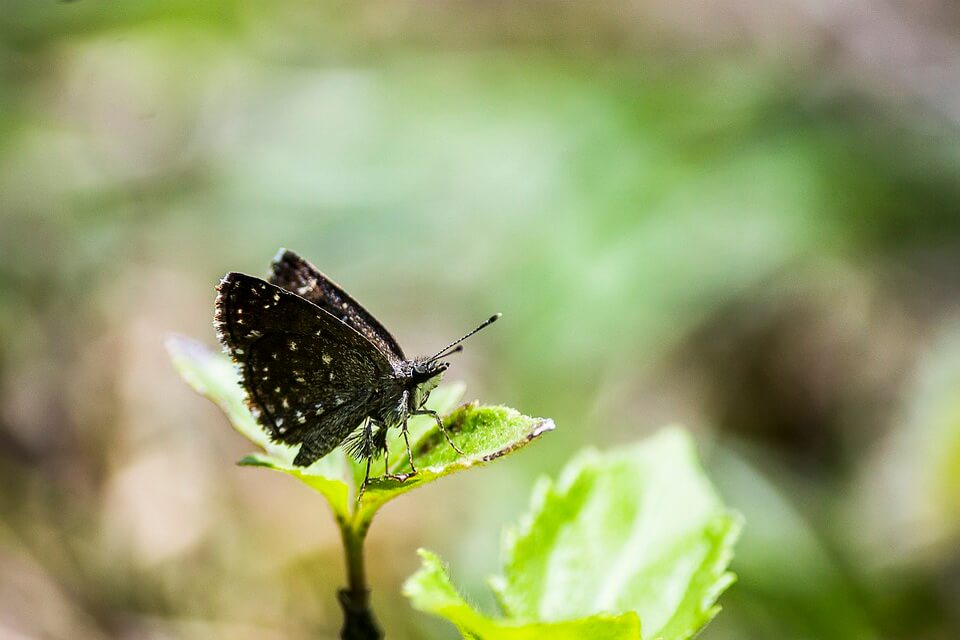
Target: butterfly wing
291,272
309,377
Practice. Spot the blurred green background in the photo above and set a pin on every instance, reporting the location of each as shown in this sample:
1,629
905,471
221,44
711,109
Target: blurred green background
738,215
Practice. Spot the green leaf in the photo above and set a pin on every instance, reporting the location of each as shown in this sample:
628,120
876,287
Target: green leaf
639,529
213,376
430,590
330,476
482,433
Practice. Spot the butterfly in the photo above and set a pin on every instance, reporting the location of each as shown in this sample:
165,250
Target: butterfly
318,369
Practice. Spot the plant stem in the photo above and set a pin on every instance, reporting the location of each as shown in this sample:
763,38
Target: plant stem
359,622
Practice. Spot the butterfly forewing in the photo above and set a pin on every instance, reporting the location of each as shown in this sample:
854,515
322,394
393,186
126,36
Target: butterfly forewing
308,375
291,272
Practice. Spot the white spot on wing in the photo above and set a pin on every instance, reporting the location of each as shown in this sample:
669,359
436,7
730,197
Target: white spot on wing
327,359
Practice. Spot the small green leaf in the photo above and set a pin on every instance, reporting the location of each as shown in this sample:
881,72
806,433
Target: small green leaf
430,590
636,531
482,433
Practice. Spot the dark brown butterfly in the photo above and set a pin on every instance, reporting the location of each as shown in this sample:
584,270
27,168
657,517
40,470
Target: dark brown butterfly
318,369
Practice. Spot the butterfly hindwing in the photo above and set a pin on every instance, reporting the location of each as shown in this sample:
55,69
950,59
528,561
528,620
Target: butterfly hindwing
291,272
308,375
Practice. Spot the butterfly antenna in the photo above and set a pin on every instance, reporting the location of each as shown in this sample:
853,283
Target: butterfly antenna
455,346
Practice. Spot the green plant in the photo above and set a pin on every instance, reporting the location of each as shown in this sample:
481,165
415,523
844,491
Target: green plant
631,537
483,433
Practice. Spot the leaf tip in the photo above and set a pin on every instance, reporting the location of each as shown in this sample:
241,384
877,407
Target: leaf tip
253,460
545,424
540,427
428,556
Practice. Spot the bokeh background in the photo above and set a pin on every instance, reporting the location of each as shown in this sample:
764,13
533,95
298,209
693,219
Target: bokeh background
741,216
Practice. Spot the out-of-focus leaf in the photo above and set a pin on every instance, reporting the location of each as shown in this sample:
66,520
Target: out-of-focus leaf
919,458
430,590
638,530
790,585
482,433
213,376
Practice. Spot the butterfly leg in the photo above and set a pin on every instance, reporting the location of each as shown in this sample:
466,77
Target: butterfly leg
401,477
406,440
379,444
366,479
446,434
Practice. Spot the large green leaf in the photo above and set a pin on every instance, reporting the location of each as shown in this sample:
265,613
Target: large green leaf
482,433
639,529
430,589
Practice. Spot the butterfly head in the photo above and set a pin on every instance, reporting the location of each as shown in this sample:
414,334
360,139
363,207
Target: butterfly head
426,372
425,375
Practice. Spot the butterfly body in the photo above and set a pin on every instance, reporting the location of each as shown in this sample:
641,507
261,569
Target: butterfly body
318,369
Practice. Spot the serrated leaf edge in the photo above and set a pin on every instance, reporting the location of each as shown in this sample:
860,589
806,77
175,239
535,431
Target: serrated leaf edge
546,491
